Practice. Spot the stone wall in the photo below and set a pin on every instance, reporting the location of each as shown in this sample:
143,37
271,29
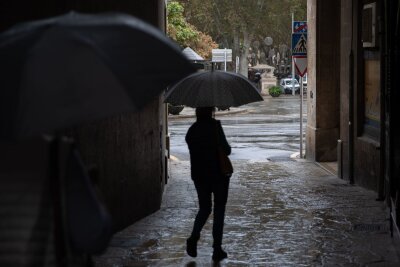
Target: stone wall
361,154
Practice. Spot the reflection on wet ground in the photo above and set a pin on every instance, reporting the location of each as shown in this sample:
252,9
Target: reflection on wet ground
257,131
288,213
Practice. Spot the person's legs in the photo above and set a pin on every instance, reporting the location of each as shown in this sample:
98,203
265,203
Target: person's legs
220,189
204,194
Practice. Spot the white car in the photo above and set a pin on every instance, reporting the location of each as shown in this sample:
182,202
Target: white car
287,86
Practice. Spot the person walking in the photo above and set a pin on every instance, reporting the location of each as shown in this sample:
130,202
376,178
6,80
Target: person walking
203,139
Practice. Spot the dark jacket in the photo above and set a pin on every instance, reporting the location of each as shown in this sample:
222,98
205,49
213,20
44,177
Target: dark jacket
202,142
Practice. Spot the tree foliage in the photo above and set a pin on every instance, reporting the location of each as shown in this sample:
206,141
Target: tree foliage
244,24
185,34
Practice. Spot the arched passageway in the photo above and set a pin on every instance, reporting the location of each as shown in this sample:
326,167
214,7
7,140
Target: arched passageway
281,211
288,212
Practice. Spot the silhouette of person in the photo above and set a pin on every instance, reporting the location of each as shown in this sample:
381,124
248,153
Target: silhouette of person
203,138
257,78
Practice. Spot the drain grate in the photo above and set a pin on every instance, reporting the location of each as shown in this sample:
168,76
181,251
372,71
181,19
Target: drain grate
342,185
370,227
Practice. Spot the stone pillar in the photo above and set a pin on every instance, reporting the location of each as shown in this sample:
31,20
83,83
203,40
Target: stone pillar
323,50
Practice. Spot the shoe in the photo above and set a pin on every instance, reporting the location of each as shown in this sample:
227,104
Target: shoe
191,247
219,254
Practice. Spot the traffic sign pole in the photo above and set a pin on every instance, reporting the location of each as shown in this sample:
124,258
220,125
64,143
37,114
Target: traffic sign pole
301,117
225,59
299,60
293,71
293,78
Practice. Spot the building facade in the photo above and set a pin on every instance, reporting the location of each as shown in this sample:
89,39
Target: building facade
353,59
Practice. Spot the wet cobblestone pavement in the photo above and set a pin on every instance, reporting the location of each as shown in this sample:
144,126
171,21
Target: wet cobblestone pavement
287,213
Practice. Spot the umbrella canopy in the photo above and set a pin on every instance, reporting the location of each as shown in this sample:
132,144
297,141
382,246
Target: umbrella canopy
213,89
74,68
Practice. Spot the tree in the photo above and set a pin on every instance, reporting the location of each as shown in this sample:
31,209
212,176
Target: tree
243,24
185,34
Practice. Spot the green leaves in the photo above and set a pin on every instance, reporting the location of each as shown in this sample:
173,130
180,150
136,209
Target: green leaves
185,34
275,91
178,28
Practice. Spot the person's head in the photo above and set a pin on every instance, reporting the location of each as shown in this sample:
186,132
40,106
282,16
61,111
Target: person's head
204,113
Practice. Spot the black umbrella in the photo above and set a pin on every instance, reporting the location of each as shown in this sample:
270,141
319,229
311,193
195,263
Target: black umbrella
65,70
213,89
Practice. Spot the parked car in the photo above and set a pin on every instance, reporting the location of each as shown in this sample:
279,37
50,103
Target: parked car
287,86
296,76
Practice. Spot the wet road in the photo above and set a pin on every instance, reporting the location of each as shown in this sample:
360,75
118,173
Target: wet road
263,130
282,212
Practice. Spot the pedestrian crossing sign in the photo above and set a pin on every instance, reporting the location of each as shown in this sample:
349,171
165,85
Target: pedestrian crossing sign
299,44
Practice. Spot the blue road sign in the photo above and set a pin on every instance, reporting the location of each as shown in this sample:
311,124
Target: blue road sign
300,26
299,44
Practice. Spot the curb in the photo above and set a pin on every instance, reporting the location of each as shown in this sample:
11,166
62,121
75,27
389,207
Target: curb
218,113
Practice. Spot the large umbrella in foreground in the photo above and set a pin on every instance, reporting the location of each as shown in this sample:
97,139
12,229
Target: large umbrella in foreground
213,89
65,70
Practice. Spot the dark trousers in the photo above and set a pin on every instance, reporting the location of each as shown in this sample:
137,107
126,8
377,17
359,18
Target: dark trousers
218,186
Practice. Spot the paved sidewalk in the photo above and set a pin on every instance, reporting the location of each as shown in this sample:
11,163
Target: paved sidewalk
287,213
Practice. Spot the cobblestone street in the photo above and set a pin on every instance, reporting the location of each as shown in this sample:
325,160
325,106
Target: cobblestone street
279,213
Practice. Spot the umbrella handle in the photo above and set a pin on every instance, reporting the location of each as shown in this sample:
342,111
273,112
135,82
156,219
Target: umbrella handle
57,188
